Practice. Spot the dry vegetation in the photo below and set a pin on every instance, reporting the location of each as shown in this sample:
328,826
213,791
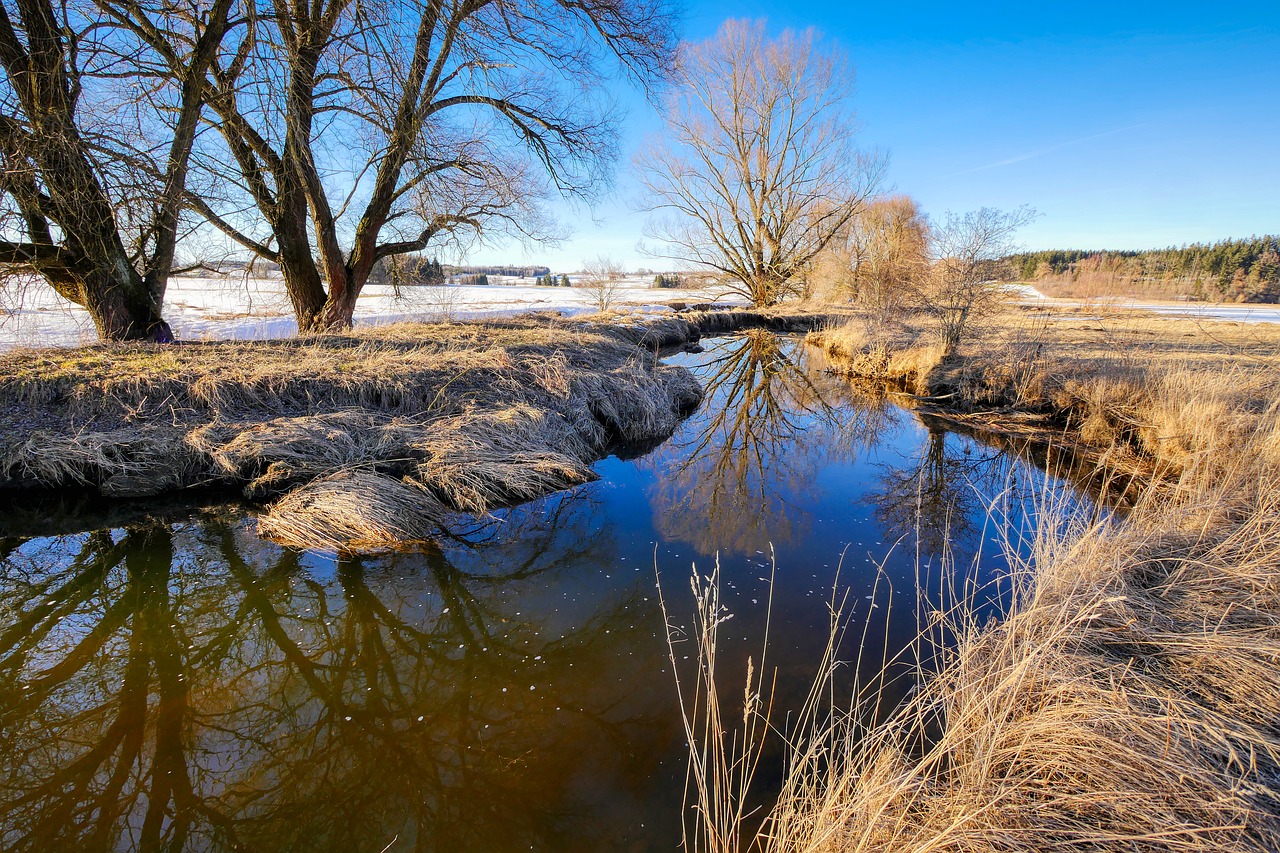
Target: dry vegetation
1167,396
1109,284
383,431
1130,700
464,416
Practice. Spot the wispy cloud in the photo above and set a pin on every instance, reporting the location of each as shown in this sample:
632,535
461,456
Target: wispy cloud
1031,155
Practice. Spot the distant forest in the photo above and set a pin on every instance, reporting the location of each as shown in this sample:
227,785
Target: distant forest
417,269
1245,270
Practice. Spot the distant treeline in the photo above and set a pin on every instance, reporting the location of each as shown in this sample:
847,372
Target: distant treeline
1245,270
415,269
523,272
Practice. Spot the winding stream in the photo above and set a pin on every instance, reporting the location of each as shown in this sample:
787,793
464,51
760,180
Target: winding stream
172,680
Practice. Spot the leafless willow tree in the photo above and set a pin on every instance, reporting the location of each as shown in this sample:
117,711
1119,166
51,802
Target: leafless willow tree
757,172
967,252
355,131
96,133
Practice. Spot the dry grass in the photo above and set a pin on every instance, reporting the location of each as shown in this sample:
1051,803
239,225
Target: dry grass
893,354
353,511
479,460
1130,699
1161,394
474,415
1103,284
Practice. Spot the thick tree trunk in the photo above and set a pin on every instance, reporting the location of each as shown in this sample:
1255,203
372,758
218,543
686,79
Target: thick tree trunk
302,277
338,310
122,307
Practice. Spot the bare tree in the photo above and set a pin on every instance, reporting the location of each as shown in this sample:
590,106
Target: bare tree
890,244
91,195
880,261
967,250
757,172
603,280
355,131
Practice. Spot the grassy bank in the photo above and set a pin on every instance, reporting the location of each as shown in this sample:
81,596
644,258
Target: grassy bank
1170,398
358,440
1130,699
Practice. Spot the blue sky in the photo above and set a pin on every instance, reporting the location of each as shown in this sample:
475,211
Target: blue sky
1127,125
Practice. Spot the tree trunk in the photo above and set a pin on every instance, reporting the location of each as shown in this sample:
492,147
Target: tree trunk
302,278
121,306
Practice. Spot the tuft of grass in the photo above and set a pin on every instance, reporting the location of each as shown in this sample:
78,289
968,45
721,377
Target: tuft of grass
353,511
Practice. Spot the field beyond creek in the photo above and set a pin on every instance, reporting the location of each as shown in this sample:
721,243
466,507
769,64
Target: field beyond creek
1130,699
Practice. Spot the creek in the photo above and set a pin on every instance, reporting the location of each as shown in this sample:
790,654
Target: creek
169,679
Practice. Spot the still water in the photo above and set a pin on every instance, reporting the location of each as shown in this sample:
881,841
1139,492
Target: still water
172,681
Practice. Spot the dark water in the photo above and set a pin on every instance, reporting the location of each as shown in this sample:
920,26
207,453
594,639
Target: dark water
183,684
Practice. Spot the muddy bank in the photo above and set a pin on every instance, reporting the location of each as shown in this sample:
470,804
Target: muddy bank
359,440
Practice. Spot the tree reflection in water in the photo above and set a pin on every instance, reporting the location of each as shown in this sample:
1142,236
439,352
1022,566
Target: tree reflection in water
771,421
782,454
188,686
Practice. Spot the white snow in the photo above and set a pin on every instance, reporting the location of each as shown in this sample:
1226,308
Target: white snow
240,308
1239,313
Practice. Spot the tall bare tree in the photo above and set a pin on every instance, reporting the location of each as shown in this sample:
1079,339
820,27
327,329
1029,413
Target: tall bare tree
355,131
94,177
757,172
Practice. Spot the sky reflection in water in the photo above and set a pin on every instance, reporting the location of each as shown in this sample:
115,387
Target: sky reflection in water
185,684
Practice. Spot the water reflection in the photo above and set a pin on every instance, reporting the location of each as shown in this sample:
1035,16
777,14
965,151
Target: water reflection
188,687
772,420
778,435
171,681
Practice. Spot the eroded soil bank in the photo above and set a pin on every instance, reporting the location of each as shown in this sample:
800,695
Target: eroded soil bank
362,439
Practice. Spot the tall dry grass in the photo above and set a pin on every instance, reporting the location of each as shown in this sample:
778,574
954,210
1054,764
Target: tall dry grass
1129,699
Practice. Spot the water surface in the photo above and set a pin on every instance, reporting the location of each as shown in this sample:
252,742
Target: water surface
177,682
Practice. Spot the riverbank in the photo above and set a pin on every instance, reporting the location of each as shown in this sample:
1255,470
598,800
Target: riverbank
360,440
1166,398
1130,698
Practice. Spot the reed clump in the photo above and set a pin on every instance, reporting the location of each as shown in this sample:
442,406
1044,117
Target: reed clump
353,511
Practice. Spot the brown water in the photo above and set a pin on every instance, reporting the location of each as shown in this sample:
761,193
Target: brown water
170,680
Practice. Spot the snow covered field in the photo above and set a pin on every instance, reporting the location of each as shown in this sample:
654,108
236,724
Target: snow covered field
239,308
1238,313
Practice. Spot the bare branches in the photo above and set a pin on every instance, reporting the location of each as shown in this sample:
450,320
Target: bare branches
365,130
882,258
757,173
96,160
966,249
604,281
